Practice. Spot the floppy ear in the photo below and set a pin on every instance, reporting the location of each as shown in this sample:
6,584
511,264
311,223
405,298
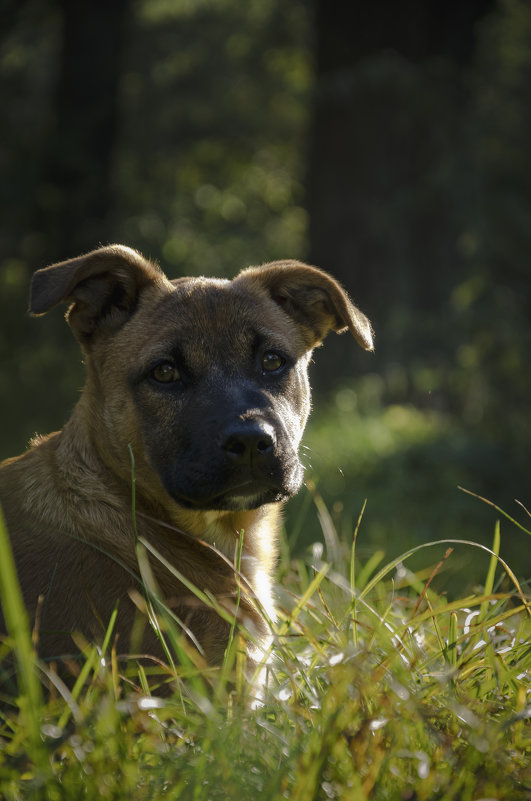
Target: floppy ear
102,287
312,298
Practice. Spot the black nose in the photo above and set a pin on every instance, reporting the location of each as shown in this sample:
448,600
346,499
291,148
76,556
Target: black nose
247,440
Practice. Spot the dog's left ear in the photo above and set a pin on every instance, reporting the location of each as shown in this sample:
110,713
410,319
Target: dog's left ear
102,288
312,298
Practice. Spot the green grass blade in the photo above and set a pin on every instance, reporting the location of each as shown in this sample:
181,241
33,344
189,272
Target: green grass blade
305,597
333,545
368,568
451,648
18,629
230,655
133,492
353,574
91,662
208,600
489,581
498,509
238,563
391,565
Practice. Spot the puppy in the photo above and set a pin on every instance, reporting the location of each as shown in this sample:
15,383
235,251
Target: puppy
203,383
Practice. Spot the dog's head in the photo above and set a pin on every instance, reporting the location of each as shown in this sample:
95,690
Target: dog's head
205,378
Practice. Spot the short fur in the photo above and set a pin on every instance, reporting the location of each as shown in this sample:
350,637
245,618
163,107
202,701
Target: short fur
215,447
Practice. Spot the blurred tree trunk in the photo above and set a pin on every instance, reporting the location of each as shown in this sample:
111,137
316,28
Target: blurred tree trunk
385,147
74,196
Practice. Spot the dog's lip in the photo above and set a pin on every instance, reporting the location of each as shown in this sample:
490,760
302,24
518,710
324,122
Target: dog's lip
246,490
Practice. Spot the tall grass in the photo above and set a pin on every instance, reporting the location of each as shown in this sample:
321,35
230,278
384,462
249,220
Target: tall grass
379,687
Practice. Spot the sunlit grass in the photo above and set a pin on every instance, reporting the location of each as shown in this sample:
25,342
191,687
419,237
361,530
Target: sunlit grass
379,687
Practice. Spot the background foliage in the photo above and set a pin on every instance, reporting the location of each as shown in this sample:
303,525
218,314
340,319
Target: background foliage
389,145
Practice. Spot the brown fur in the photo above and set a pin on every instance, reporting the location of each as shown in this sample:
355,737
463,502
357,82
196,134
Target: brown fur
201,477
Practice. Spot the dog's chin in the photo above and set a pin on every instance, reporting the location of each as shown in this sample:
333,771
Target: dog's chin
243,498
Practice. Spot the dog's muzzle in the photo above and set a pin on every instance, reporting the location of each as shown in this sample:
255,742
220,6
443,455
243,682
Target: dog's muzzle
248,467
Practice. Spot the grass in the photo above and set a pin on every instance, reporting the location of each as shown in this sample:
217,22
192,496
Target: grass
380,687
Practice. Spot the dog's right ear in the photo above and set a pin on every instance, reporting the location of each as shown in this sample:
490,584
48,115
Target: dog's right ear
102,287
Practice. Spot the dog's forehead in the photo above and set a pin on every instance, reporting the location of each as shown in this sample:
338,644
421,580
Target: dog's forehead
206,303
207,315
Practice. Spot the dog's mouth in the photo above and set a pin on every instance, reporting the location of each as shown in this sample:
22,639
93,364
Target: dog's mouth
240,497
243,489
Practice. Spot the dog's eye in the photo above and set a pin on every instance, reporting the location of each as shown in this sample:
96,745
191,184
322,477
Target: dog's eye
272,362
165,373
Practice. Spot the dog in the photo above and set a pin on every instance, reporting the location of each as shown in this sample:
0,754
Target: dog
196,396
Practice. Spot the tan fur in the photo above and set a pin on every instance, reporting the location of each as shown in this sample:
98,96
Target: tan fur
67,500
